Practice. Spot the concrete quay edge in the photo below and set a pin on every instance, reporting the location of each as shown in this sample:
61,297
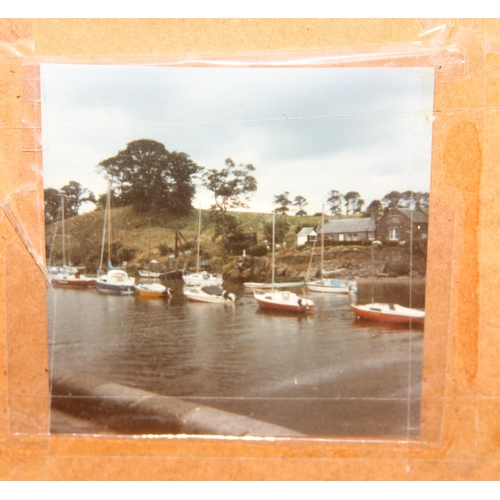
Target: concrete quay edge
123,406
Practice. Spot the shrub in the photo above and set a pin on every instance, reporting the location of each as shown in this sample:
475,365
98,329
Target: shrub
420,247
390,243
258,250
122,252
126,253
164,249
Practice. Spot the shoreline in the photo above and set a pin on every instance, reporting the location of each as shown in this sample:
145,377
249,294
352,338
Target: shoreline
393,279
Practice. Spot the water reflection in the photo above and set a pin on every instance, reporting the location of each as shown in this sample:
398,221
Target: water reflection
321,374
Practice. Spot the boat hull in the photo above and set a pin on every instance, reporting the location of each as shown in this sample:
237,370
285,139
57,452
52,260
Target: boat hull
149,274
399,315
72,282
269,286
152,291
283,302
196,294
202,279
115,282
115,289
329,286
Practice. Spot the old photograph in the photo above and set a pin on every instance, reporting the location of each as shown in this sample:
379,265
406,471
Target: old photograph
236,251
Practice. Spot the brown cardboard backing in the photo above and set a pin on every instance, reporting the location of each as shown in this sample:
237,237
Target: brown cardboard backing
460,427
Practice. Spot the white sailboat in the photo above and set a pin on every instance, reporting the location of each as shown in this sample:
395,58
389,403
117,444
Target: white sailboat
152,271
151,288
115,281
201,278
386,312
327,285
68,276
281,300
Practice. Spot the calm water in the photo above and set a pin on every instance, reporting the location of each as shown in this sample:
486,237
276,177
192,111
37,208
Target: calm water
325,374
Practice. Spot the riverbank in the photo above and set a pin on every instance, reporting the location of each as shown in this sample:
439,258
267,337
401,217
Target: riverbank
342,261
417,280
172,242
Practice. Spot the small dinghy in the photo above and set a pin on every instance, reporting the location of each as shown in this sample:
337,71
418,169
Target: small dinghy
152,290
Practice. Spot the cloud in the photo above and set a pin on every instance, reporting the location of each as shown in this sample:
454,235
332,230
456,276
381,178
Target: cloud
305,130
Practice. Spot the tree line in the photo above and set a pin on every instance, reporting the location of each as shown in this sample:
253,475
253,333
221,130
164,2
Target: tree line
146,176
351,203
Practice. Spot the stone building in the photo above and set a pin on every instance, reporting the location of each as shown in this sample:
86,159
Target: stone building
399,224
353,229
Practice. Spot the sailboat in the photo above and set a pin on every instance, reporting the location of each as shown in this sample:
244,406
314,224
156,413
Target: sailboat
389,313
68,276
153,288
152,271
201,278
116,281
386,312
281,300
327,285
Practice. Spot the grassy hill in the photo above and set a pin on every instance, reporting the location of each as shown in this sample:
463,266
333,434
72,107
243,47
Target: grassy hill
138,238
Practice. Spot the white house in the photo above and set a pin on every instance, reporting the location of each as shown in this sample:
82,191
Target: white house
306,234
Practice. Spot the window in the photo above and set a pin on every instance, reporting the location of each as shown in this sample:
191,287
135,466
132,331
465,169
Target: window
393,234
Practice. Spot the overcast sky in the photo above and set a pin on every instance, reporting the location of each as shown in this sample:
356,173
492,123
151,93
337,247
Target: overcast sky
306,131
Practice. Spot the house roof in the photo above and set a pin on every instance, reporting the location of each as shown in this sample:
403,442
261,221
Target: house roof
354,225
305,231
415,215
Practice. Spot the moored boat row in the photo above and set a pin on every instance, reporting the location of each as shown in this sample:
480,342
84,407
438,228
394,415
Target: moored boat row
206,287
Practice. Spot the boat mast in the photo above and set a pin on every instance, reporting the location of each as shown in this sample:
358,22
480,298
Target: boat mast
373,270
149,245
59,218
63,234
198,247
322,238
108,203
274,244
104,230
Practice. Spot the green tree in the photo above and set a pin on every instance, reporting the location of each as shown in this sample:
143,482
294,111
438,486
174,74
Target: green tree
222,224
334,200
392,199
374,208
74,195
148,177
352,201
359,205
414,201
300,202
231,187
281,227
422,200
52,203
282,202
